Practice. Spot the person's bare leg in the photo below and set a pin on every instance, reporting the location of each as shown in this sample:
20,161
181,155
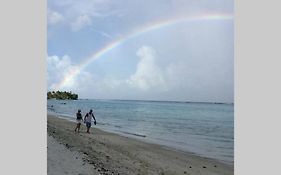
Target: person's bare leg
78,127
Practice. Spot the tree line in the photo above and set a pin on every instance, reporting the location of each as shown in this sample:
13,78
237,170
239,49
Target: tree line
62,95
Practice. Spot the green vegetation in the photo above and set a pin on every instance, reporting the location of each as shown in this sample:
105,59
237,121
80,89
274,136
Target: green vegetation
62,95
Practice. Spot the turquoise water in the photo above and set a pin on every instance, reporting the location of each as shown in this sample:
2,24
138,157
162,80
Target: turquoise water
205,129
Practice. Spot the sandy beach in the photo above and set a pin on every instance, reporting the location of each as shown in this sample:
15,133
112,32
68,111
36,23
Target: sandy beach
106,153
63,161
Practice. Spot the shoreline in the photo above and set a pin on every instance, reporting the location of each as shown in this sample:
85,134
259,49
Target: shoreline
112,153
143,138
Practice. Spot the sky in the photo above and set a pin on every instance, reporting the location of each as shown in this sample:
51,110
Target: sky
174,50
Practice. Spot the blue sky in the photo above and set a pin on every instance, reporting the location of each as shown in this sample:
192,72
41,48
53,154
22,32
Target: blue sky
188,61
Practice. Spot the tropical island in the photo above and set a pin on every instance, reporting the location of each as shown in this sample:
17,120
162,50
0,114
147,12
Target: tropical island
58,95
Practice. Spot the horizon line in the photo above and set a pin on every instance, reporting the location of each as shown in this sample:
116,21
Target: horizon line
177,101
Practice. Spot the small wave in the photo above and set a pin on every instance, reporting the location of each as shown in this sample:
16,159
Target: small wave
50,109
101,123
139,135
136,120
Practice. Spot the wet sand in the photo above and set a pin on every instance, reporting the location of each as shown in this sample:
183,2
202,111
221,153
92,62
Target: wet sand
110,153
61,160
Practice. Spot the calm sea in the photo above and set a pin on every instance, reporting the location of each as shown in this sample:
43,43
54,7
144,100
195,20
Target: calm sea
205,129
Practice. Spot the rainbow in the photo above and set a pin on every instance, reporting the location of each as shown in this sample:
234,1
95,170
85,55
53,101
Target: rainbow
133,34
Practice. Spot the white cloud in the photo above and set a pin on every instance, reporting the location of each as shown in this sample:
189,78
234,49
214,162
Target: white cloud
60,68
102,33
81,22
105,34
148,75
54,17
79,14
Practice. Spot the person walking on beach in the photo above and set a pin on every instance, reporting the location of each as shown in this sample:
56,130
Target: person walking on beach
88,120
79,119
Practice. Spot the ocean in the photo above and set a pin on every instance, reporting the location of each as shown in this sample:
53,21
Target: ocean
205,129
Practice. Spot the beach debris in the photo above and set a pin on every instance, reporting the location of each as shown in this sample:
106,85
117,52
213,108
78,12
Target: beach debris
103,169
184,172
215,165
190,167
204,167
91,162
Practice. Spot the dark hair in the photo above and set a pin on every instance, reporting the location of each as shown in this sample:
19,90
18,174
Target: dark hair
79,110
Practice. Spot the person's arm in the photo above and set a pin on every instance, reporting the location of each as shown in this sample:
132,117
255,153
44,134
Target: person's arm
85,117
94,117
95,122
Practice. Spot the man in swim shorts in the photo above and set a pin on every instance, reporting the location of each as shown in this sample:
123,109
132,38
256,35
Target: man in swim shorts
88,120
